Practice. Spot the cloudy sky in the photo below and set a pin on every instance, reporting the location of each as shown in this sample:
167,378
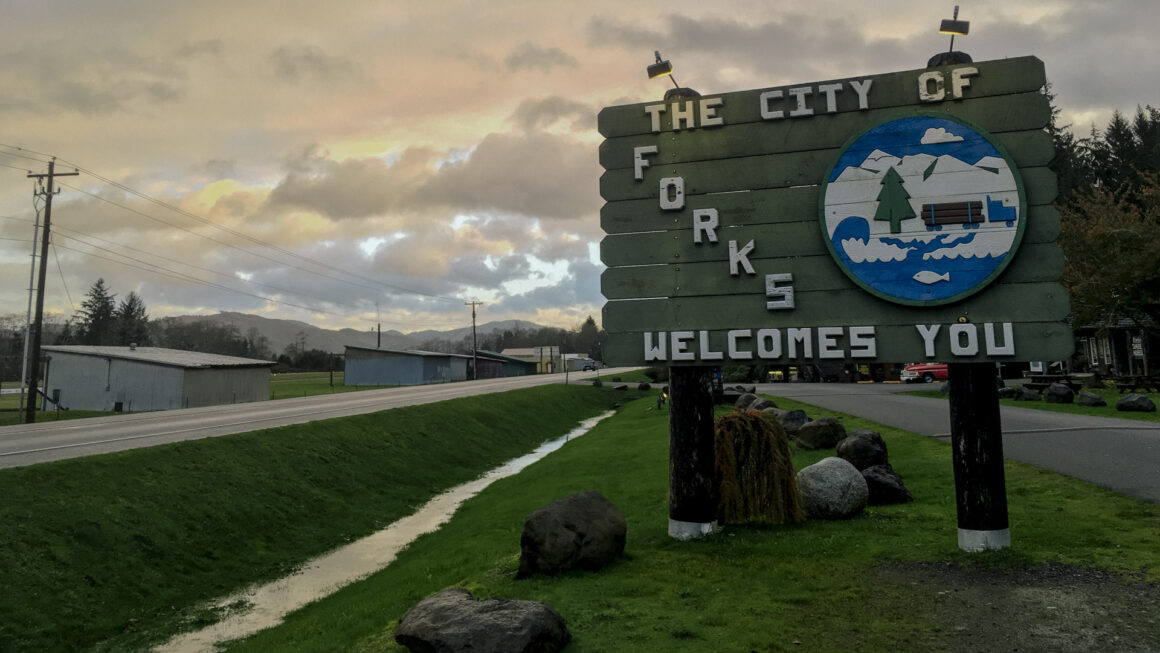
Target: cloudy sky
334,162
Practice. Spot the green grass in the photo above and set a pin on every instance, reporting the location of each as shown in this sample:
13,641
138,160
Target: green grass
1109,395
306,384
808,587
115,552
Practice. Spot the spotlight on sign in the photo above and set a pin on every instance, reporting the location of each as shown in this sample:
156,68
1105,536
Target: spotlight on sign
663,68
954,27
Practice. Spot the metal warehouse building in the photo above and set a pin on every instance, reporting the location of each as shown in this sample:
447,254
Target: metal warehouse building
369,366
150,378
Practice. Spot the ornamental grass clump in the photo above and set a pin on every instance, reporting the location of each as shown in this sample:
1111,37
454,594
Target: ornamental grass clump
754,471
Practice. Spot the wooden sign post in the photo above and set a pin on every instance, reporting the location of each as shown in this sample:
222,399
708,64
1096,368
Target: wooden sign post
889,218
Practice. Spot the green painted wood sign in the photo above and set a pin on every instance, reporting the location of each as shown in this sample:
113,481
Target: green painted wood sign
889,218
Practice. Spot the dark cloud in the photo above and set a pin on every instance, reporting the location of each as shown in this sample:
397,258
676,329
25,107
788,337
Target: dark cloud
581,288
353,188
528,56
300,64
539,175
535,115
474,271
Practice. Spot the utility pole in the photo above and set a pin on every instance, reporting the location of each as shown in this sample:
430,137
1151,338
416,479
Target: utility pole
474,356
47,191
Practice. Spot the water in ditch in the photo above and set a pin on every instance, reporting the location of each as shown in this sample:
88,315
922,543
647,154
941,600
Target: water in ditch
266,605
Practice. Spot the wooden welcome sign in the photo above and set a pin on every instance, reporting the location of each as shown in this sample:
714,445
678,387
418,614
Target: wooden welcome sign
891,218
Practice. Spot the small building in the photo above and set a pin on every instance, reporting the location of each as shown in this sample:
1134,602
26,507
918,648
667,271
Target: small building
370,366
137,379
1123,348
546,358
494,366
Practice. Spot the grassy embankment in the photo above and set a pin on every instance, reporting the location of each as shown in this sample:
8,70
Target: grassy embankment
806,587
1110,396
115,552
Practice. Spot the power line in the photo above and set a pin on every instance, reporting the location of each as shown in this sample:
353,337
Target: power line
63,283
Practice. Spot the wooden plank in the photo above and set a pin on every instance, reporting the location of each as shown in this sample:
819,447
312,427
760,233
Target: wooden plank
1042,301
1012,120
894,344
1032,263
999,77
747,207
803,237
731,175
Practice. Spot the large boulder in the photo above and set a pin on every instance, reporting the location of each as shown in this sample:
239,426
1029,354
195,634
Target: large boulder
453,620
745,401
821,433
885,486
1091,399
762,404
832,489
863,448
1135,403
1026,394
1008,392
581,531
1059,393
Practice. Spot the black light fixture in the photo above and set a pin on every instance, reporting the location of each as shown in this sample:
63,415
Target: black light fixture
664,67
952,26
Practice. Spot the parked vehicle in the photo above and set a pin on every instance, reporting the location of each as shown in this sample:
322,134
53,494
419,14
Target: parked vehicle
924,372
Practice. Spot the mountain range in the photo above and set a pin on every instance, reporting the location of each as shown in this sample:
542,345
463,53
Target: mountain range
283,332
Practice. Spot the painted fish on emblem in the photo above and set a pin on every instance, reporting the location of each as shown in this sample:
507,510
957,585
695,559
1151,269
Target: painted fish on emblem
928,277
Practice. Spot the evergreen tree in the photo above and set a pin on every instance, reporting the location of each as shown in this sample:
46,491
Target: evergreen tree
893,201
97,320
132,321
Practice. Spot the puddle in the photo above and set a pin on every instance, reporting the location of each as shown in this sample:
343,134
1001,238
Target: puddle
265,606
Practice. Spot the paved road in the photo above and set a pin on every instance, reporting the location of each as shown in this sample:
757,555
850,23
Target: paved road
1119,454
44,441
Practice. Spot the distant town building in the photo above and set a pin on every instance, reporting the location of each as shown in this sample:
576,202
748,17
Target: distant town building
547,358
141,379
495,366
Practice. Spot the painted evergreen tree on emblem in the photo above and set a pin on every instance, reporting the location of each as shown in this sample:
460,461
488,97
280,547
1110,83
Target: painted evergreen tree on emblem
893,201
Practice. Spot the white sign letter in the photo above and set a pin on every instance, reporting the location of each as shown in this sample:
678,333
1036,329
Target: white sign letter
959,80
706,354
709,117
830,91
772,338
657,352
862,342
960,348
779,290
740,257
828,342
794,337
684,113
766,112
704,221
639,163
654,111
862,88
924,92
928,332
677,345
734,352
1008,346
801,109
675,201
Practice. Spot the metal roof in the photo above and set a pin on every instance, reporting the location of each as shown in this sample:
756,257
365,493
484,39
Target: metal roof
160,356
409,352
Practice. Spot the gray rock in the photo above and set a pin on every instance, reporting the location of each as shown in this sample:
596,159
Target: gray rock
1008,392
832,489
452,621
644,385
885,486
745,401
822,433
596,383
620,386
1085,398
792,421
762,404
1058,393
862,449
1135,403
1026,394
581,531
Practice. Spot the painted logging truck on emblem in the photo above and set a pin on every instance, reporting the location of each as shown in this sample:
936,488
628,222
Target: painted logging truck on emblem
923,210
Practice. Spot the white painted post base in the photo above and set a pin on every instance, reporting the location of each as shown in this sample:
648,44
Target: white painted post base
976,541
688,530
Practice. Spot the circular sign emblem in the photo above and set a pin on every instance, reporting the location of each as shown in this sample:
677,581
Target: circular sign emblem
923,210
